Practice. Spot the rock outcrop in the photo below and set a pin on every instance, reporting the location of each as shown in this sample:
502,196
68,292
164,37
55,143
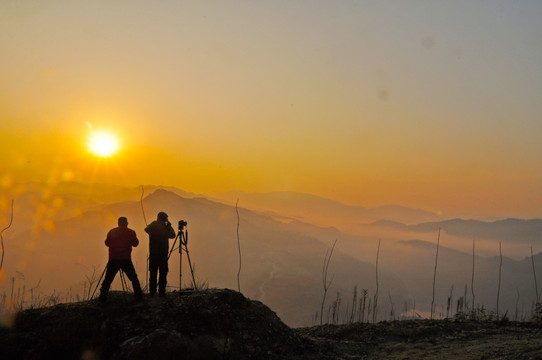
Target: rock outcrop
209,324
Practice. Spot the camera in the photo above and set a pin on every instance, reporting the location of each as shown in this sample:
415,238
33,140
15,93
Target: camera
182,224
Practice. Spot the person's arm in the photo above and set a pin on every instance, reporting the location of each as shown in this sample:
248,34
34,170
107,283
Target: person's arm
108,238
135,241
171,232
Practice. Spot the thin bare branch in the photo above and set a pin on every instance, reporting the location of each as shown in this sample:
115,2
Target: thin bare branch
435,275
534,274
472,279
375,300
2,236
326,283
141,202
238,248
145,218
500,275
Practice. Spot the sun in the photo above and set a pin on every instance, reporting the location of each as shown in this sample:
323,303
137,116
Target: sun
103,144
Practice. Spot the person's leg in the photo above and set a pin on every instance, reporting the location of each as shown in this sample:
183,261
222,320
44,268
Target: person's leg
153,271
162,282
128,268
112,269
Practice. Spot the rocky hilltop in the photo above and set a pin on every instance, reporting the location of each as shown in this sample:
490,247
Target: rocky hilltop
223,324
210,324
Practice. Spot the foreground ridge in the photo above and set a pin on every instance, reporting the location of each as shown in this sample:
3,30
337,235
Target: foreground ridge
223,324
209,324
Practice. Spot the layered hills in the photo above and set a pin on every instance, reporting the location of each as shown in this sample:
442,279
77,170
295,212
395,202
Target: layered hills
55,249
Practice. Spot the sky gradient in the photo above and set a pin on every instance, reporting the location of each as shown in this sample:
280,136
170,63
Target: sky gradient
429,104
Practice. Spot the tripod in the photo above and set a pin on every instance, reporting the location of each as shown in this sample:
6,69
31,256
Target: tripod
122,281
182,236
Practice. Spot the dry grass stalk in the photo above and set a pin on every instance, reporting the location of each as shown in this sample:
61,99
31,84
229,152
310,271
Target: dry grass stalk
2,237
325,281
500,275
145,218
375,302
472,279
435,275
534,274
239,248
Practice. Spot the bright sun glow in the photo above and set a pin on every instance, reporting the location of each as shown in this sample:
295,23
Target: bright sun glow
103,144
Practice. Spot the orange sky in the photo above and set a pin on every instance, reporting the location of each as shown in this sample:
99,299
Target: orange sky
429,105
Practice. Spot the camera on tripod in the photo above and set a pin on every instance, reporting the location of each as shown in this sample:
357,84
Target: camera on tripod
182,224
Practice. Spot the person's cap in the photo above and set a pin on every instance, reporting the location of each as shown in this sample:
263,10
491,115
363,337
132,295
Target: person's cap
162,216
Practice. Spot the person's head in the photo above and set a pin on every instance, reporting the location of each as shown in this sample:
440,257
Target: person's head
162,216
123,221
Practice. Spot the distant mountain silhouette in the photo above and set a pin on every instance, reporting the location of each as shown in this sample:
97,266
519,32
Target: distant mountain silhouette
106,193
318,210
512,230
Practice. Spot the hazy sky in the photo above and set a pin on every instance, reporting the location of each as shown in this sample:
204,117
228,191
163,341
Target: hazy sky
430,104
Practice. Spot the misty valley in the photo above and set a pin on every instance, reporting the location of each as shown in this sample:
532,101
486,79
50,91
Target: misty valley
55,252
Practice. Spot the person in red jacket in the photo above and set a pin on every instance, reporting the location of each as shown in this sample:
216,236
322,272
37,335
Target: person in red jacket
120,241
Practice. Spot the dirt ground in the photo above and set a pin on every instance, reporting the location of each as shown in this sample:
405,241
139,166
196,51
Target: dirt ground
429,340
223,324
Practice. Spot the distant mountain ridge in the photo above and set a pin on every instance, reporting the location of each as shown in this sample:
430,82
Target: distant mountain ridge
316,209
514,230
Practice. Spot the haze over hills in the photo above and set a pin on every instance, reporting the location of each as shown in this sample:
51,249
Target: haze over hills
106,193
281,256
280,265
39,206
454,276
514,230
318,210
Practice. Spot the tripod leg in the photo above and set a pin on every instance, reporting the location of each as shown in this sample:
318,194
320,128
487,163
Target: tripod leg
99,281
191,269
174,242
189,262
180,264
147,275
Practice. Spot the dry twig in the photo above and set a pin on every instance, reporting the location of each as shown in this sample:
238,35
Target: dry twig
500,273
238,247
375,302
326,283
435,275
2,236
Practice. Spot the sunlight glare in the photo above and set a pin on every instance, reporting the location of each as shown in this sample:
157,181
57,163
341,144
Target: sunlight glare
103,144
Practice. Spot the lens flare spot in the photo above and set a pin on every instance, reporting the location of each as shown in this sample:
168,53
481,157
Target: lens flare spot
6,182
50,226
37,229
67,175
58,202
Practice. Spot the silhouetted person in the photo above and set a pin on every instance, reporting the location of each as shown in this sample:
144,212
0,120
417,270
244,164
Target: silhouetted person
160,231
120,241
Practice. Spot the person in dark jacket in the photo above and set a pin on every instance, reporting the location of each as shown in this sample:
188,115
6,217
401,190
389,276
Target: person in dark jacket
160,231
120,241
